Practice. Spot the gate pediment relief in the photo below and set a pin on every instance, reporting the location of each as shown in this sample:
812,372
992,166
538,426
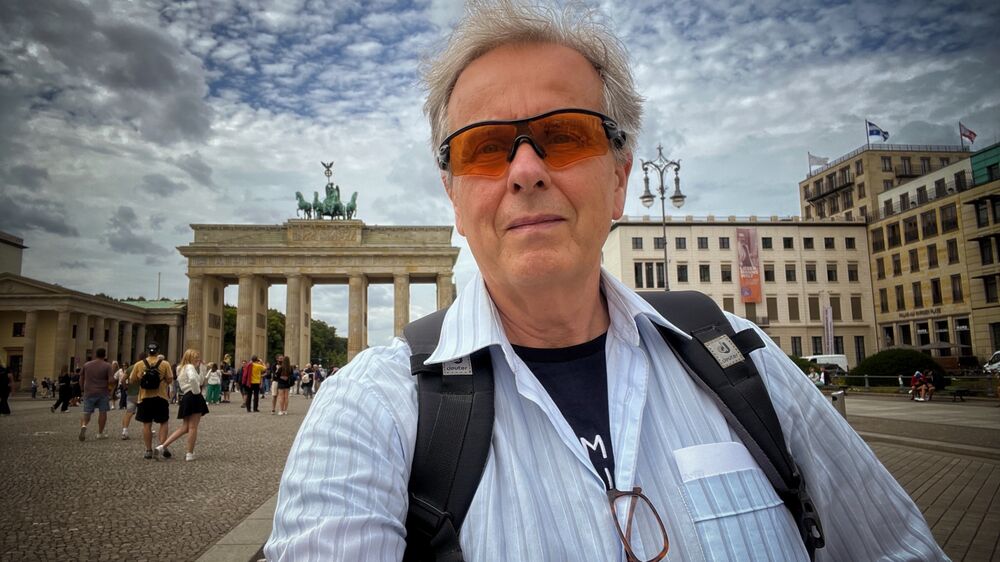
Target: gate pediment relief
15,286
324,233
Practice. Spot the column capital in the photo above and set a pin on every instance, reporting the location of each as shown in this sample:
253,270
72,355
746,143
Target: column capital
195,275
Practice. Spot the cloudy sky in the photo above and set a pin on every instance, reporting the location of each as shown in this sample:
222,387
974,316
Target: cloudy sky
123,122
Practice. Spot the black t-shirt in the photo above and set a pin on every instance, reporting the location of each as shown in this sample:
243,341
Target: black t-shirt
576,378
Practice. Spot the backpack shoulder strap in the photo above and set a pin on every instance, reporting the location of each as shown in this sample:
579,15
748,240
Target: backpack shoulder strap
718,359
454,431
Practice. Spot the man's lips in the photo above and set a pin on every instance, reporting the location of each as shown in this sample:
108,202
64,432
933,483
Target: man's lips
533,221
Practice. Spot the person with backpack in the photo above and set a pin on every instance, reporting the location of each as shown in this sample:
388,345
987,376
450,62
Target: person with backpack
551,413
154,376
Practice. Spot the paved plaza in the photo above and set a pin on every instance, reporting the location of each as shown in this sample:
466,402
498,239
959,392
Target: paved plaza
67,500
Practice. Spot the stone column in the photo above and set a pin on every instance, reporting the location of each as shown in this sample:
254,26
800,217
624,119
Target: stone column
128,355
62,351
194,328
140,341
172,353
244,320
401,302
82,339
305,332
293,318
113,329
99,335
445,290
355,317
30,345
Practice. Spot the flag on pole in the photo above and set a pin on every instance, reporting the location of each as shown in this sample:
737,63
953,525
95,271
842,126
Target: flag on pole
817,160
876,131
966,132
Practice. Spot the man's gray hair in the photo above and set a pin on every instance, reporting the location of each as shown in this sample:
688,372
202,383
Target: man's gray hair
489,24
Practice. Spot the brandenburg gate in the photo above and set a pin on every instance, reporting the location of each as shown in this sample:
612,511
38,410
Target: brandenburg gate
303,253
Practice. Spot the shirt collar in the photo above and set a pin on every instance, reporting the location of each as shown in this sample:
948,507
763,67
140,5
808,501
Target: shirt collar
473,322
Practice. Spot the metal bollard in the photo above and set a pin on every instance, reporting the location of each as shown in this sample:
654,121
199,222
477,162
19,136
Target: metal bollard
866,382
838,399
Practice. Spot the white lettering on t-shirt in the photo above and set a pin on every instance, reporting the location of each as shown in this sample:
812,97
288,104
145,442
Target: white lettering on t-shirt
598,442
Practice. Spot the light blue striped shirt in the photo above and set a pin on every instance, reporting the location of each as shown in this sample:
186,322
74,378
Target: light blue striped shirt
343,494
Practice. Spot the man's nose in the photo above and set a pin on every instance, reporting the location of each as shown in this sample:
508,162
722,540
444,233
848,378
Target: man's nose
527,168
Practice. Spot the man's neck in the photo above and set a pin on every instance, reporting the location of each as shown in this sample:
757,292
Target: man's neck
554,315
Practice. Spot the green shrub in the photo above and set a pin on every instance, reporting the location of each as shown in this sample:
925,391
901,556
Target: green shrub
801,363
891,363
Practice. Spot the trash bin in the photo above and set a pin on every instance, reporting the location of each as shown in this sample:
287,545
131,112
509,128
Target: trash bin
839,403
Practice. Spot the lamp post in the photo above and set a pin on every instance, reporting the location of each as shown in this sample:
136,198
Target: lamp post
661,165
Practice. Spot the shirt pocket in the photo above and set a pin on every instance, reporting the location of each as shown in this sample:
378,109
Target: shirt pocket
736,512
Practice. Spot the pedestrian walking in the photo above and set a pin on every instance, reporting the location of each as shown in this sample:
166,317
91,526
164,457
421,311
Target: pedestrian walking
77,390
213,387
65,390
154,376
6,387
192,403
130,392
307,383
284,380
273,382
34,388
95,380
227,378
121,377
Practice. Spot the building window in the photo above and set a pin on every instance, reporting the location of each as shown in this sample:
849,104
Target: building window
852,272
772,309
765,243
723,242
922,194
880,268
848,198
849,243
945,161
727,304
859,348
904,334
910,231
817,345
636,243
793,309
861,191
769,272
986,250
886,186
936,292
649,275
828,243
659,275
704,273
682,273
914,261
727,273
952,251
886,163
956,289
638,275
838,345
907,167
835,308
807,243
863,211
856,308
897,265
788,243
831,272
928,223
858,168
750,312
680,243
659,243
925,165
982,214
797,346
809,213
790,272
960,184
904,202
892,235
990,289
814,309
940,189
993,172
811,272
918,295
834,205
878,240
883,300
949,218
18,331
702,242
900,298
932,256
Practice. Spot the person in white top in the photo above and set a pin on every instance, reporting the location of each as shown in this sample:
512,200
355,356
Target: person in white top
192,403
213,390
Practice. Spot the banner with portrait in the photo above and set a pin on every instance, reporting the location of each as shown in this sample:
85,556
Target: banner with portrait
749,264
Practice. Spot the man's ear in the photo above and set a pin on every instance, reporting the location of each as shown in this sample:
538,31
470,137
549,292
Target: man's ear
447,180
622,171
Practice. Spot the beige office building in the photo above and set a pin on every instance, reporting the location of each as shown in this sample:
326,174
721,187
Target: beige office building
849,186
806,267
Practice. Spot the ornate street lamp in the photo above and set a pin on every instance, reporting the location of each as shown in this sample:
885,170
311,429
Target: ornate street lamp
661,165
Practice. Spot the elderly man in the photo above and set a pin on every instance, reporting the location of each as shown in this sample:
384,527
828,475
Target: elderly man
534,115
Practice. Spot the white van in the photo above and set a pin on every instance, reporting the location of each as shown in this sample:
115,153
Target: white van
838,360
992,365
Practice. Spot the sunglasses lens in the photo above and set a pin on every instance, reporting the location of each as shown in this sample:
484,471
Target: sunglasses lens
569,137
482,151
565,138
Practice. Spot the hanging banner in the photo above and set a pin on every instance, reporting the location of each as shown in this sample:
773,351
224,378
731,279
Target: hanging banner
749,262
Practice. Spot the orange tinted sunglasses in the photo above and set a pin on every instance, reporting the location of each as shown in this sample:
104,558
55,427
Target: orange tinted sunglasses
559,137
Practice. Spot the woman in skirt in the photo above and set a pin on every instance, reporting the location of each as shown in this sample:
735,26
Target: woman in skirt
192,403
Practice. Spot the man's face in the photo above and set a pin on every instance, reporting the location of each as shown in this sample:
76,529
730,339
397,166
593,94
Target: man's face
534,225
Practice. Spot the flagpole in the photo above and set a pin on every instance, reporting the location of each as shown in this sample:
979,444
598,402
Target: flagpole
868,138
961,139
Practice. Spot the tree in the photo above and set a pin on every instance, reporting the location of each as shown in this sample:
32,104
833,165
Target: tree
885,367
327,348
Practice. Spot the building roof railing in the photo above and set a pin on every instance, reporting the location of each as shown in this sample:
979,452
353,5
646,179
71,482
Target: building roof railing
713,219
888,148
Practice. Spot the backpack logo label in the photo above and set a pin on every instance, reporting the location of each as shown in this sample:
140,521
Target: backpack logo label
460,366
724,351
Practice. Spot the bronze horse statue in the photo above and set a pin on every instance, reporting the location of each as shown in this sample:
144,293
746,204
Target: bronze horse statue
304,206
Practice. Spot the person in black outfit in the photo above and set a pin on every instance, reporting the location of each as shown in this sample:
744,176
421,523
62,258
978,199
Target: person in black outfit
6,385
65,391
